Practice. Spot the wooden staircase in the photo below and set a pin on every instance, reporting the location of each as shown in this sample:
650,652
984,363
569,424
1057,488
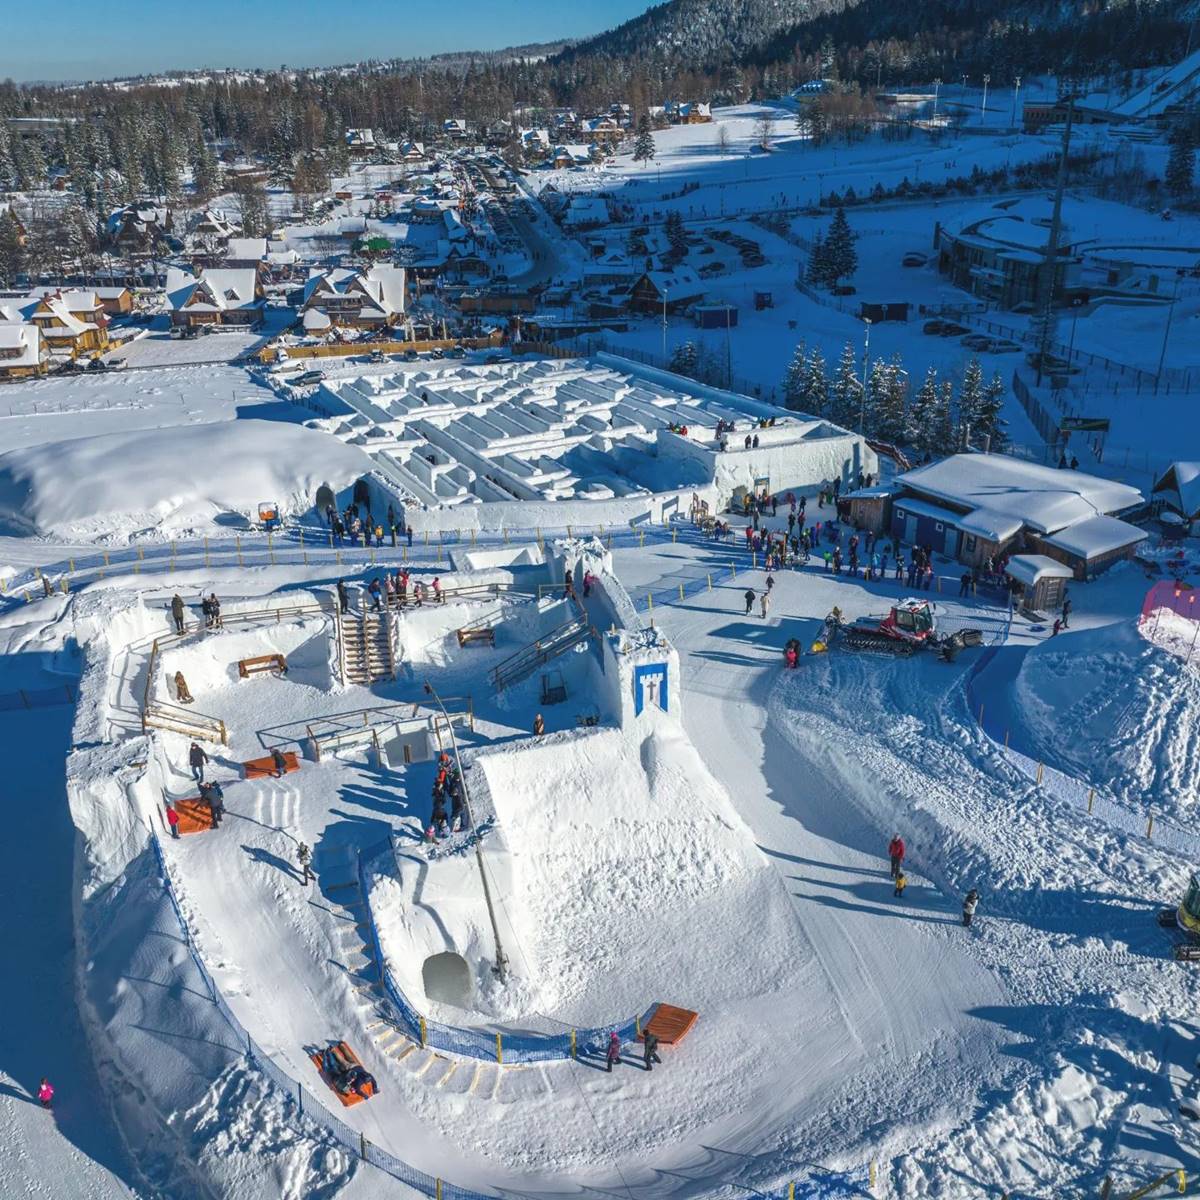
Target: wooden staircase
368,652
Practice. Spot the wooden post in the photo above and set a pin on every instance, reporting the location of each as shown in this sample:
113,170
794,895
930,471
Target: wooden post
237,539
422,1019
641,538
681,591
1039,773
1150,825
573,1054
1091,798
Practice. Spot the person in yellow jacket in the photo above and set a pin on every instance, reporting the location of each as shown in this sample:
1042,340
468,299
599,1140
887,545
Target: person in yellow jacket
901,883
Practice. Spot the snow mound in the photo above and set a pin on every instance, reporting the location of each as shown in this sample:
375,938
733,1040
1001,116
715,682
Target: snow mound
173,481
618,851
1110,705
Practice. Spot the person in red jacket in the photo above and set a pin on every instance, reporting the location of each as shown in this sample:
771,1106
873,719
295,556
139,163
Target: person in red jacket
896,853
45,1093
173,820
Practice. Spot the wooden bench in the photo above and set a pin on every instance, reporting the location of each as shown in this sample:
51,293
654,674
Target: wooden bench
194,815
349,1099
484,634
264,662
262,768
669,1024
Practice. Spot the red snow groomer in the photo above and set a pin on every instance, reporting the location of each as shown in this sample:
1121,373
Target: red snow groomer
908,627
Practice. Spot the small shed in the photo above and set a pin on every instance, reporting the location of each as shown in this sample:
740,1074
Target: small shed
716,316
1179,489
876,311
1092,546
870,508
1038,582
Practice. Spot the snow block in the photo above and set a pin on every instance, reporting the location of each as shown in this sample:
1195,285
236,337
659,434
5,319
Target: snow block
263,768
350,1099
669,1024
194,815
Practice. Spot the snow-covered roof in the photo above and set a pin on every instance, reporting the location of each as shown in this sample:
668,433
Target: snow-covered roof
246,249
218,289
1045,499
26,340
381,285
677,284
987,523
1029,568
587,210
1180,486
1096,536
922,508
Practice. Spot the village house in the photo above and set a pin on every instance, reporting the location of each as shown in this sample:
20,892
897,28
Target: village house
71,323
361,143
137,227
456,129
219,296
22,352
412,152
690,112
571,156
973,507
217,224
586,212
669,291
1178,490
245,252
116,301
373,299
606,129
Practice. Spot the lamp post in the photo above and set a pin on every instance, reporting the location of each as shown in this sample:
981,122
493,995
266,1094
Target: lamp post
1016,93
1162,357
501,967
664,327
983,108
937,87
862,407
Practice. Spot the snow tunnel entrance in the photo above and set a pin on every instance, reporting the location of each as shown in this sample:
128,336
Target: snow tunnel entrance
325,498
447,979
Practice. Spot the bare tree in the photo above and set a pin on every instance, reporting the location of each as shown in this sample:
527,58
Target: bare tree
764,130
723,138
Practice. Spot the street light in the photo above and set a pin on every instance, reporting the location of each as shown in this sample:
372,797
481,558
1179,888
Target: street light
937,87
862,408
501,966
1162,357
1016,93
983,108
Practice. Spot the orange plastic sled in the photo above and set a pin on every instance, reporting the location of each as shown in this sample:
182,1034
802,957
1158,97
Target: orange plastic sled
194,815
261,768
669,1024
349,1100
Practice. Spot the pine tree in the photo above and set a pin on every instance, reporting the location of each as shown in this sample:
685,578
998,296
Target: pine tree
818,263
676,234
988,420
874,403
818,384
970,402
921,426
839,246
1181,163
943,439
253,204
890,413
12,249
685,359
795,381
846,397
206,177
643,144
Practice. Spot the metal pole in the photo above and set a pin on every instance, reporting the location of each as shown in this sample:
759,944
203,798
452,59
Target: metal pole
1050,266
862,408
501,967
1016,95
983,108
1162,357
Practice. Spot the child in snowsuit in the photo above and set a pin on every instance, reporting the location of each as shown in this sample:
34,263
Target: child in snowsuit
181,689
969,905
901,883
45,1093
173,821
304,858
613,1054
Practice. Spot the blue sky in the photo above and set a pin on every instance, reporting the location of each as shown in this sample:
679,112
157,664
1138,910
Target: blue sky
71,39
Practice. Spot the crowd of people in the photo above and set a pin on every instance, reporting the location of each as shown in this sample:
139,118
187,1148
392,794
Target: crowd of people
363,528
447,788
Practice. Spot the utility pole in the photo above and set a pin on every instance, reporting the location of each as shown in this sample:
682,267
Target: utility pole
862,407
501,967
1162,357
1016,94
937,87
1049,270
983,108
664,328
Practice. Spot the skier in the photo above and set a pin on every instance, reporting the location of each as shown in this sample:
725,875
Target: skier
896,853
613,1053
278,762
172,820
969,905
45,1092
1066,611
749,598
650,1050
177,612
901,883
181,689
304,858
196,760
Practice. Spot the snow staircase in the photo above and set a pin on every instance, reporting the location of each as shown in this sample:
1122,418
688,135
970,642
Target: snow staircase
527,660
368,653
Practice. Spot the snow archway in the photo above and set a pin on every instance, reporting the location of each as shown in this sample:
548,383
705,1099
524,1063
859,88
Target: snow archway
447,979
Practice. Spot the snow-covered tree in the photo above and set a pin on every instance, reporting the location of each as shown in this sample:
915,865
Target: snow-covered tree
818,384
921,425
839,247
970,402
795,380
643,143
818,263
12,248
684,359
988,421
1181,162
943,439
890,413
875,400
846,394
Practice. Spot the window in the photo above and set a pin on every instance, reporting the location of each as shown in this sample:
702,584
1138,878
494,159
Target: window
969,546
938,527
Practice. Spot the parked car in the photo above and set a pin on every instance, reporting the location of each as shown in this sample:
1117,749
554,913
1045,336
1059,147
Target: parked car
934,326
977,341
97,364
1005,346
914,258
456,352
409,356
308,378
951,329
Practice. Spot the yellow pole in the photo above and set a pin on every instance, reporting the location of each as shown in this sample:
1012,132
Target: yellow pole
422,1019
681,591
1039,774
1091,798
674,536
504,534
573,1055
237,538
637,1025
791,1191
373,555
64,587
499,1050
71,561
105,553
710,581
439,1190
427,537
28,598
472,537
337,554
649,602
439,553
1150,825
871,1175
140,554
206,550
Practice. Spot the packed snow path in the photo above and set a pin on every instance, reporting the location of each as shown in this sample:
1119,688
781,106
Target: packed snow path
74,1152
